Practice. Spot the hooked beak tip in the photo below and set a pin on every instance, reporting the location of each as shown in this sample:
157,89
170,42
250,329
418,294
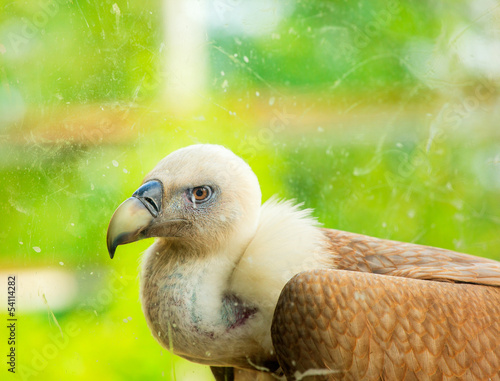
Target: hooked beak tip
111,251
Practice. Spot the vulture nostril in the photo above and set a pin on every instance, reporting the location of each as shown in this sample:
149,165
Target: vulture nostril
153,204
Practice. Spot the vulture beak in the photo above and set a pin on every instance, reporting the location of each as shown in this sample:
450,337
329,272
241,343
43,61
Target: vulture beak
135,215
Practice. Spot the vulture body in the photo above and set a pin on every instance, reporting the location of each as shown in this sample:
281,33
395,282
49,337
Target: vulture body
261,292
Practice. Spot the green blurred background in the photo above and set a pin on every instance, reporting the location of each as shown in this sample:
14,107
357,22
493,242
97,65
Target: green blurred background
381,115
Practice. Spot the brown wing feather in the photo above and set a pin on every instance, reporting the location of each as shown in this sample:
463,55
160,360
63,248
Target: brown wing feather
367,254
357,326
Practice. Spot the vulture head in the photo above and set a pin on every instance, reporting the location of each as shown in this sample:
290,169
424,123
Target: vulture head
211,279
202,196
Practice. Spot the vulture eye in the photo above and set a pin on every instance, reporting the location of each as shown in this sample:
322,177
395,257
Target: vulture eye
199,195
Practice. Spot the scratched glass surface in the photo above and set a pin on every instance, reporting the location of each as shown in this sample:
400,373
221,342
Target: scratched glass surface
380,115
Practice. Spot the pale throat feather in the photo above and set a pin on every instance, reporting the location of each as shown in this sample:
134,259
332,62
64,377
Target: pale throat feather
188,296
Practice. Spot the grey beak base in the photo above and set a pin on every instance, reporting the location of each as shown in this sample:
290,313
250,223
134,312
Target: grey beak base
150,194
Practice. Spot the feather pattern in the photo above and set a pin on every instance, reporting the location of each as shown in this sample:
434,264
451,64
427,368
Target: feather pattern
368,254
345,325
389,310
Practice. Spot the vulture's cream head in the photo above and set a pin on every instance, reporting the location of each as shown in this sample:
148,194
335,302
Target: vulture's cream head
203,196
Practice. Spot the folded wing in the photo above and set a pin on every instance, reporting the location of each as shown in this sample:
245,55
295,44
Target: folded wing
358,252
390,311
344,325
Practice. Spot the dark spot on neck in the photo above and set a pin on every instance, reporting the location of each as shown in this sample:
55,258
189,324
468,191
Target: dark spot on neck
235,312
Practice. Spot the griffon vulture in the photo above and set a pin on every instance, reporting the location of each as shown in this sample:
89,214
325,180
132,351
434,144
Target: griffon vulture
251,289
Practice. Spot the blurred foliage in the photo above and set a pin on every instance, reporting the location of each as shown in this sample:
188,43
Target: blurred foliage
85,51
365,111
79,51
